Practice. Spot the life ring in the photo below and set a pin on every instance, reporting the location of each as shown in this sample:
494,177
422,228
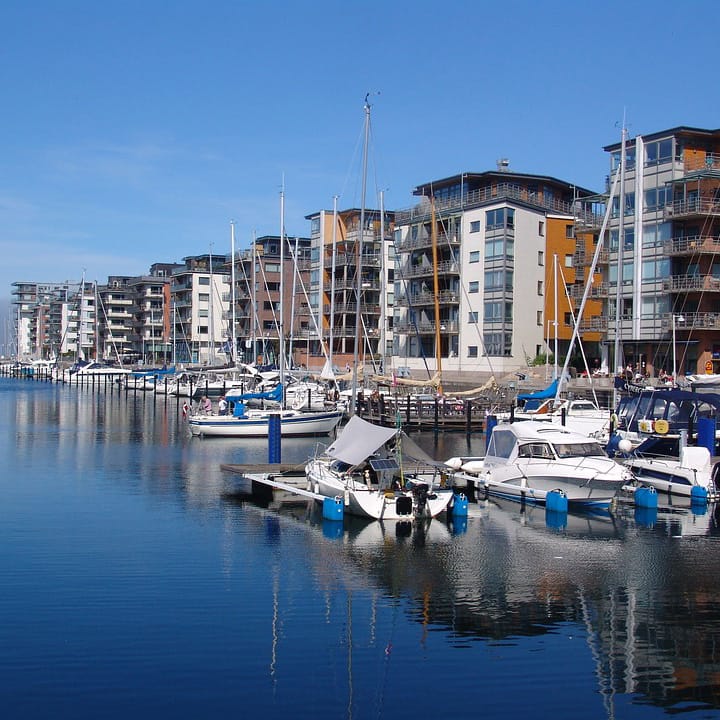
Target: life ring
662,427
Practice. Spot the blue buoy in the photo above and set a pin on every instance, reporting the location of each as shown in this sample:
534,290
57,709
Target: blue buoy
646,516
332,530
646,497
556,501
333,508
556,520
459,505
698,495
458,524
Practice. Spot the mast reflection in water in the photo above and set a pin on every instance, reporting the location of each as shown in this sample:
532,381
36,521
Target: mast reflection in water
141,580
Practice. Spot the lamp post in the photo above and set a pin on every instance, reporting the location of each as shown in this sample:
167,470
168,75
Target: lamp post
678,318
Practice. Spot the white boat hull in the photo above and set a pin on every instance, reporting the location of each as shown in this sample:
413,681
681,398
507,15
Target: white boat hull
667,475
256,424
367,501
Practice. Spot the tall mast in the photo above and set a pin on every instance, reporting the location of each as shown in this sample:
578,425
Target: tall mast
332,282
281,324
621,243
253,319
383,289
436,289
358,266
211,334
555,314
233,330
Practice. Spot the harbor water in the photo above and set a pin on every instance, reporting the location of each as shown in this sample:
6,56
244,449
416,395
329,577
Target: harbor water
140,580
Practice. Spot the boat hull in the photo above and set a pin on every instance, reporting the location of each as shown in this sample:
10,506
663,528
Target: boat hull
377,503
257,425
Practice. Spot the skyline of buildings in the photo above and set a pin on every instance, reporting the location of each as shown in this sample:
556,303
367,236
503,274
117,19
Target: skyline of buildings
482,276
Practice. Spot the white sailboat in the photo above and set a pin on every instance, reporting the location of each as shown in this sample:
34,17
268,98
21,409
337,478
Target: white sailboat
244,421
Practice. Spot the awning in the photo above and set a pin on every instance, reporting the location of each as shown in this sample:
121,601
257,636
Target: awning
359,440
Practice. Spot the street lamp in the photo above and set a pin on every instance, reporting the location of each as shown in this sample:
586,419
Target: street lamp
678,318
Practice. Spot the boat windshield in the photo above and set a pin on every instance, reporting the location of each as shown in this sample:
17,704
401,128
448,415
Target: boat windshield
584,449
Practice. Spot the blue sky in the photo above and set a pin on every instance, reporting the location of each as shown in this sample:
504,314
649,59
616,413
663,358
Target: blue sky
134,131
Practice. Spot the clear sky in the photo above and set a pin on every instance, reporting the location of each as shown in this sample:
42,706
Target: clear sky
133,131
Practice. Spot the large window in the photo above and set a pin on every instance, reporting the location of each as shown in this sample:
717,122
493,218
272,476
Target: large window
499,344
499,248
498,280
497,311
657,198
658,152
655,270
500,218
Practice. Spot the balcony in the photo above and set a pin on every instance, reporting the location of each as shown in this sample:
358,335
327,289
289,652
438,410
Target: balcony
597,291
583,258
425,241
694,208
691,246
443,268
692,321
483,196
424,327
692,283
446,297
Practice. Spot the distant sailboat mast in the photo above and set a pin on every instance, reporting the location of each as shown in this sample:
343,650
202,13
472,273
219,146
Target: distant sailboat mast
281,323
233,330
358,269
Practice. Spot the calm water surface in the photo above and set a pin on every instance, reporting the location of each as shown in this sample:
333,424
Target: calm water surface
140,580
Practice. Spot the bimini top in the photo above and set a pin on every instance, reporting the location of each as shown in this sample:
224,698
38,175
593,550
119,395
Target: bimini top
359,440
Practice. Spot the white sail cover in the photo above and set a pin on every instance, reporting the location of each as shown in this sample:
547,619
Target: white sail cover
359,440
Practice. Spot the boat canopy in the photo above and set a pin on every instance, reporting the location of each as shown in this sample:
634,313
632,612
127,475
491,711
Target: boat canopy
548,392
359,440
276,394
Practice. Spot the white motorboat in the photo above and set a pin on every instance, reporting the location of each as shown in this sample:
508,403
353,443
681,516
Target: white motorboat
380,473
662,463
526,460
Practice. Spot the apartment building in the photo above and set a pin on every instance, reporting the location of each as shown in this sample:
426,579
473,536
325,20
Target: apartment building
662,281
351,251
200,303
485,264
33,328
262,275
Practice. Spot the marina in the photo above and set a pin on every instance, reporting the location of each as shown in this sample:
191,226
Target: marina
143,577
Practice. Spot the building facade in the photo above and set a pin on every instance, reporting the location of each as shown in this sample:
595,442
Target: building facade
477,286
200,301
663,276
345,260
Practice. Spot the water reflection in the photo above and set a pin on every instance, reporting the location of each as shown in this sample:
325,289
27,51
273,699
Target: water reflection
645,596
510,592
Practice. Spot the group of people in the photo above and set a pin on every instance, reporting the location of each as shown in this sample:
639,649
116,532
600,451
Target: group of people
206,406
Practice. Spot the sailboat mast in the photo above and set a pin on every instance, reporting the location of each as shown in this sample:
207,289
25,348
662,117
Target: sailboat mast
281,324
436,290
621,242
233,330
332,282
555,321
253,275
383,289
211,334
358,265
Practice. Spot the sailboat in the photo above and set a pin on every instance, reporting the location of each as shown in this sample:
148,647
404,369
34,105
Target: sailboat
244,421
